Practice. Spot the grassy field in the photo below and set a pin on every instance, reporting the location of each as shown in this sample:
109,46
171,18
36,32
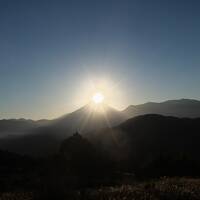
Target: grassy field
161,189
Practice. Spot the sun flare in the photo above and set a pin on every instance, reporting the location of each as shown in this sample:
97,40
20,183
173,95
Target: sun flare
98,98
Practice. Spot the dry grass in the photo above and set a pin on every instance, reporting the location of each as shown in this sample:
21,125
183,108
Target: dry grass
163,189
16,196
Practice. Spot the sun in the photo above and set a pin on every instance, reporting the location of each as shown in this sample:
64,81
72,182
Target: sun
98,98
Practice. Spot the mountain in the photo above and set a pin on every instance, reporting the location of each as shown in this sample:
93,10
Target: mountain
44,136
176,108
143,138
89,118
45,139
16,127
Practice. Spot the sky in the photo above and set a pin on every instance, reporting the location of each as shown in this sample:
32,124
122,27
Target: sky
53,53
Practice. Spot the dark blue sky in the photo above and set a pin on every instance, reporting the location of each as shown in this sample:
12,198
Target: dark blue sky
49,51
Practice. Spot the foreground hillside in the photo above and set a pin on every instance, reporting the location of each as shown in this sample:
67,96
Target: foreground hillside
81,170
148,139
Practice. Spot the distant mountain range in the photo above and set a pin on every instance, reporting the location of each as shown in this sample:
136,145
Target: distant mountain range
16,127
89,118
44,136
178,108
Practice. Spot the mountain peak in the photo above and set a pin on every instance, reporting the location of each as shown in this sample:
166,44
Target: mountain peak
89,117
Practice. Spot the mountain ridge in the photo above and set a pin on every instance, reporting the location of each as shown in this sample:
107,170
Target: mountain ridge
143,138
77,120
178,108
24,135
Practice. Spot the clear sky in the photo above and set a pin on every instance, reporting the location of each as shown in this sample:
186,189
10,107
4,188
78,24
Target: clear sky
51,52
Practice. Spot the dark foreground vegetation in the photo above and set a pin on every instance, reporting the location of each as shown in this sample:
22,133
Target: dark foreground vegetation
80,171
89,168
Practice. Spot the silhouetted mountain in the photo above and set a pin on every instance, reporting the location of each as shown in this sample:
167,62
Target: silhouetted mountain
89,118
42,140
143,138
44,136
176,108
